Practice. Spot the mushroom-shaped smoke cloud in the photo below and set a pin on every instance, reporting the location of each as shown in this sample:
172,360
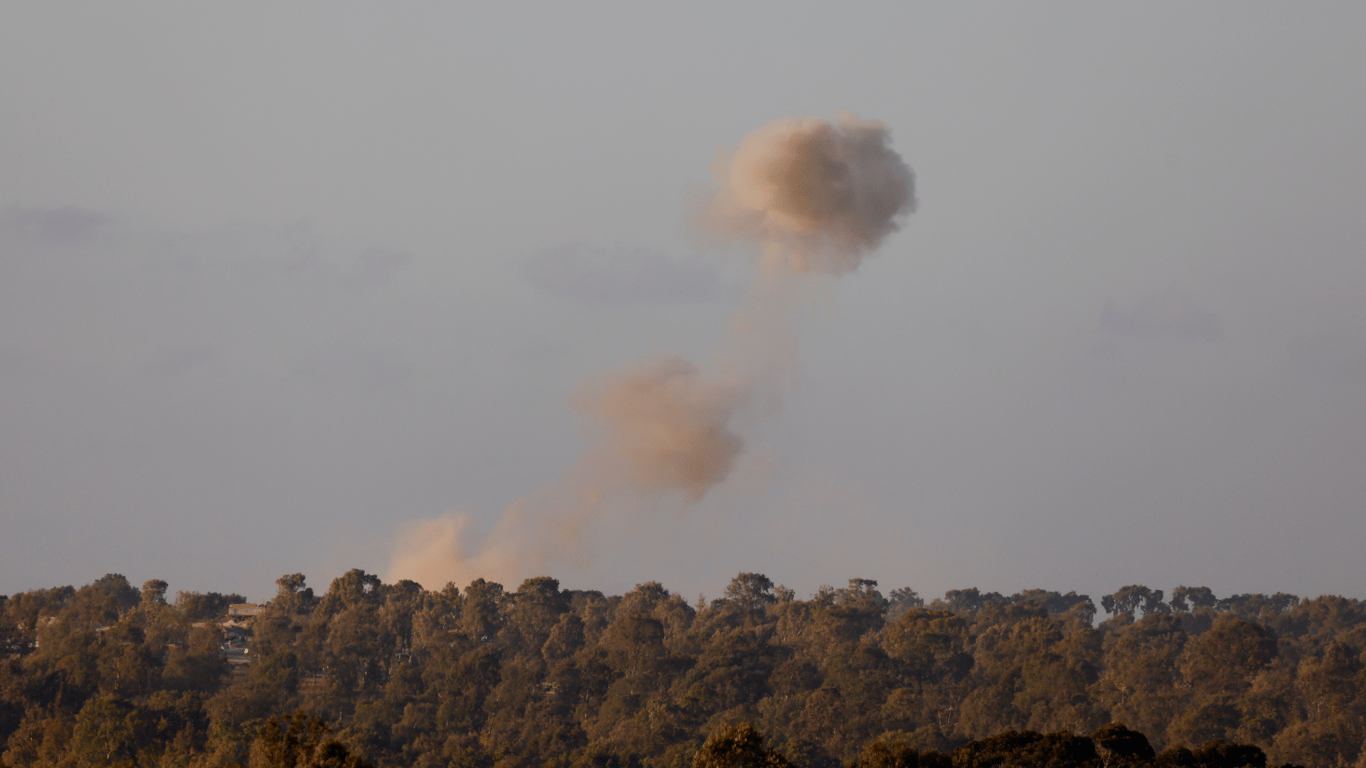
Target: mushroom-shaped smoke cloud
818,195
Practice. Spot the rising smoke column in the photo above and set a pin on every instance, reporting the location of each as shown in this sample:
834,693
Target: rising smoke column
816,197
662,434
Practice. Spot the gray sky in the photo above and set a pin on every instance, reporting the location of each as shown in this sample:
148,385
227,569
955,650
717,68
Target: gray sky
276,281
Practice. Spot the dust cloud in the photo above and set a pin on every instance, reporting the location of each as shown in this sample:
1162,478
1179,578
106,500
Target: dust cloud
667,429
816,197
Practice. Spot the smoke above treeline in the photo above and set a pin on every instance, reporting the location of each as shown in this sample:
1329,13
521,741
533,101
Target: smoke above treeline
811,198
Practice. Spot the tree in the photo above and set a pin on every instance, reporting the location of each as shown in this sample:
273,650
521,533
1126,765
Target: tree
750,592
1056,602
862,591
293,596
1199,597
353,589
483,610
963,600
195,606
1209,719
117,587
1129,599
402,602
278,626
896,753
42,739
634,643
1220,754
901,600
300,742
1255,606
1059,749
109,731
1141,684
931,644
994,751
551,678
101,603
1118,745
737,746
1223,660
197,665
154,592
846,615
736,667
1330,684
565,638
534,611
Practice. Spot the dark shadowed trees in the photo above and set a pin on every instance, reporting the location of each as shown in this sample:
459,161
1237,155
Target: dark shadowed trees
1186,598
300,741
737,746
1118,745
1135,597
550,678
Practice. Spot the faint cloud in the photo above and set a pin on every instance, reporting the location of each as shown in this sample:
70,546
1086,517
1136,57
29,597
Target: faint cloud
263,253
585,274
49,226
258,253
1168,314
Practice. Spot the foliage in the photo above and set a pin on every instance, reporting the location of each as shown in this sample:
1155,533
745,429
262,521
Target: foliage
486,677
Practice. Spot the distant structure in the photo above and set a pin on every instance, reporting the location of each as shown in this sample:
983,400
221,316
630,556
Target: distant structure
237,610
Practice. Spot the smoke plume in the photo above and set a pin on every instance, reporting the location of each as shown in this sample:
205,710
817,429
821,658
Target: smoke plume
816,197
665,427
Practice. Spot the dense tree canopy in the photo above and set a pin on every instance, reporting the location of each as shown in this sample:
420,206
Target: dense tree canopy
482,676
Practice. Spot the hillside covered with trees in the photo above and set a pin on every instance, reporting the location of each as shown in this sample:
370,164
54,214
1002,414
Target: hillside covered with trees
485,677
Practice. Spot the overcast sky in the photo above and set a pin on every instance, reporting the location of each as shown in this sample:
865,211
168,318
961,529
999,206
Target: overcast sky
275,281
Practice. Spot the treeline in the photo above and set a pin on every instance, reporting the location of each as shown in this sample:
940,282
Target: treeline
483,677
742,746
